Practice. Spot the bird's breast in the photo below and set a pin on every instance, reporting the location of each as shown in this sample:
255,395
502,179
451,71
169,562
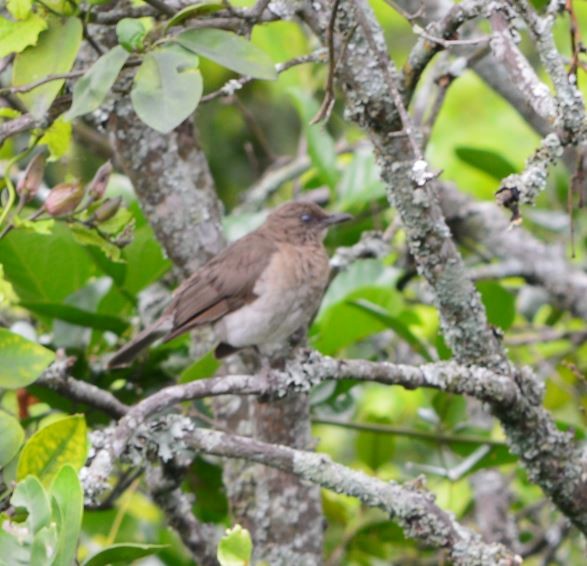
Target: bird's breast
288,293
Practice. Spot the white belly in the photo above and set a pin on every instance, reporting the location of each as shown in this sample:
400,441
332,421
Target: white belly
267,320
280,309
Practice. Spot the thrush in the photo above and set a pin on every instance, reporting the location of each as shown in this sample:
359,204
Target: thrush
258,291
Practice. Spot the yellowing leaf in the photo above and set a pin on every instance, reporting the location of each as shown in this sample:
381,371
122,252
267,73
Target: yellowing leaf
21,361
62,442
16,36
89,237
57,138
7,294
20,9
44,227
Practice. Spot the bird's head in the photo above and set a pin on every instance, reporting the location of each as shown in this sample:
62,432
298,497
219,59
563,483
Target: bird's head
302,222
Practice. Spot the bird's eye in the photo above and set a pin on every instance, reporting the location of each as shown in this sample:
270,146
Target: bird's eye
306,217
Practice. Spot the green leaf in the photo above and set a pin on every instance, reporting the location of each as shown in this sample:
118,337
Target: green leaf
89,91
235,547
201,7
62,442
55,52
320,145
78,316
57,138
17,36
167,88
145,261
499,303
89,237
31,495
19,9
395,323
45,268
343,324
69,496
43,546
11,438
21,361
131,34
11,547
360,183
340,324
486,160
123,553
451,409
229,50
204,367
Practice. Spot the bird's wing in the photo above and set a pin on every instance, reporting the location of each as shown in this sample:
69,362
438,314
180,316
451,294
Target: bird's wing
223,285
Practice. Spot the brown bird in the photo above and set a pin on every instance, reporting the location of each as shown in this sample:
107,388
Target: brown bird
258,291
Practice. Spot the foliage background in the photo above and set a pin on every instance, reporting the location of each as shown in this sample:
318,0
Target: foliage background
406,433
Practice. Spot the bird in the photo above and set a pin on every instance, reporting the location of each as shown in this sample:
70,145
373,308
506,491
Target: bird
257,292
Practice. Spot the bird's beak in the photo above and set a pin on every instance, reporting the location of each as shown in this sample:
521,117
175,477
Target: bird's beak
336,218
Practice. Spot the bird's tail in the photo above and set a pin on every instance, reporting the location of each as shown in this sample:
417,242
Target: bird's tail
129,351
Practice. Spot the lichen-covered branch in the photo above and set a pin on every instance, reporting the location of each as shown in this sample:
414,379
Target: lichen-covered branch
570,104
57,377
541,264
411,506
528,184
309,369
521,73
173,182
551,457
171,178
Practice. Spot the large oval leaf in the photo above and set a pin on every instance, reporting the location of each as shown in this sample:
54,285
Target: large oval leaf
11,438
55,52
62,442
31,495
21,361
45,268
92,88
122,553
167,88
486,160
229,50
80,317
69,496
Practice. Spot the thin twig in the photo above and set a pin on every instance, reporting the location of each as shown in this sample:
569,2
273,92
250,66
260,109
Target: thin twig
384,64
409,432
575,33
446,43
325,110
49,78
236,84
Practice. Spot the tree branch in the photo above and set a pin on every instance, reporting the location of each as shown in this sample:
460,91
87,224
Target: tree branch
412,507
551,457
